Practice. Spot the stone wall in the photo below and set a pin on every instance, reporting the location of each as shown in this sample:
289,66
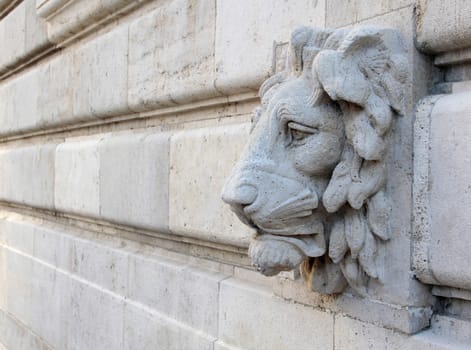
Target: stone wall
120,122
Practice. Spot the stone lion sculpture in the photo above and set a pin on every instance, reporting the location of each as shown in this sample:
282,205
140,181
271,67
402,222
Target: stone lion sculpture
312,177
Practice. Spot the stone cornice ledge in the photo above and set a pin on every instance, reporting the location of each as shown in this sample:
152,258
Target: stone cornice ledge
70,19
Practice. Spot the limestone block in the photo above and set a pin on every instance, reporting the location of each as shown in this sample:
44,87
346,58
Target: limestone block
50,305
147,330
20,103
250,317
56,92
443,193
443,25
77,176
12,36
171,55
53,246
3,282
103,265
36,29
96,318
17,235
22,34
27,175
15,335
340,12
246,31
185,294
137,165
101,67
351,334
19,277
200,160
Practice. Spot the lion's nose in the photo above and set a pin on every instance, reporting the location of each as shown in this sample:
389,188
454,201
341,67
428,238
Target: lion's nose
240,195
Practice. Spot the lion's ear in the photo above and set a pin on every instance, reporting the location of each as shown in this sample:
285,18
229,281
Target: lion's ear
366,73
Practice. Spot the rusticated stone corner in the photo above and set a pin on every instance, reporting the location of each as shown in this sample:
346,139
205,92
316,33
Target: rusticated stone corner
312,177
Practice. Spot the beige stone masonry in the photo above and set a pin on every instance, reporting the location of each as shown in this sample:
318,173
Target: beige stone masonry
200,160
22,35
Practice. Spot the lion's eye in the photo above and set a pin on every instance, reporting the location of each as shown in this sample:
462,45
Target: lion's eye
298,132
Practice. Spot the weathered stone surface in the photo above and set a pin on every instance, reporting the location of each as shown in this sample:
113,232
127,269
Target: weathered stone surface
27,175
102,265
163,285
96,318
200,160
177,65
22,34
340,13
50,305
12,36
77,176
145,329
55,103
315,167
138,165
245,35
443,25
250,317
102,68
14,335
67,19
442,192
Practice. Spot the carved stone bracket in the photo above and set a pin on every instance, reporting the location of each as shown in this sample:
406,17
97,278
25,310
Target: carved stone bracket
312,177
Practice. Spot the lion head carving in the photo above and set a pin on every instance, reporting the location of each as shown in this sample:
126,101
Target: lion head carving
312,177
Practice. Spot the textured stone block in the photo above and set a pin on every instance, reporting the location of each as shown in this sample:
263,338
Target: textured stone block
250,317
22,34
185,294
340,12
12,36
35,29
77,176
147,330
19,277
449,191
351,334
50,305
28,175
177,65
15,335
137,165
20,103
17,235
96,318
56,92
443,25
200,161
53,246
102,65
100,264
245,34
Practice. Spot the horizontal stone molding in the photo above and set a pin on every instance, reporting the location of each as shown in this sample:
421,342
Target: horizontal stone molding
441,251
71,18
